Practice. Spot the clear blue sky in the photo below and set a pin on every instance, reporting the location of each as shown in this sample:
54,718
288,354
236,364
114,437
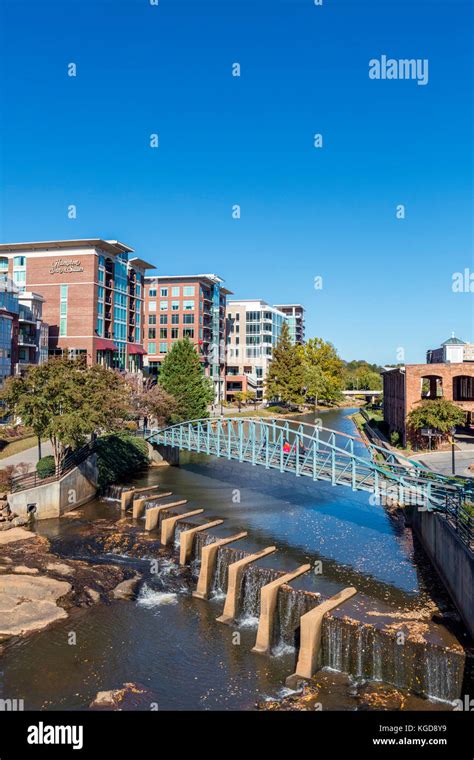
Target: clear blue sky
249,140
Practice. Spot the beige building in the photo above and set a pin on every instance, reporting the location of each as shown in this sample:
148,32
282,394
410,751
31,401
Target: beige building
253,329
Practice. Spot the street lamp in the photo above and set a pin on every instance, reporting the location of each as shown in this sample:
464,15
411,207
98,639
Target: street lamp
453,460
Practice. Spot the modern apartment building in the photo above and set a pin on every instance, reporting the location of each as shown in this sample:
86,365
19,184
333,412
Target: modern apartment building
93,296
253,329
294,313
33,333
9,309
187,306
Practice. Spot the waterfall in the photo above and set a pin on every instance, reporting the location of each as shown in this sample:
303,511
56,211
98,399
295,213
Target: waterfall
365,651
291,605
114,492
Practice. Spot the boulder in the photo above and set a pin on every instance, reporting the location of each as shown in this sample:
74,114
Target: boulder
28,603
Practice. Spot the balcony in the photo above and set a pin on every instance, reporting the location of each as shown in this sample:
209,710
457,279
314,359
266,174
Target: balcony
26,339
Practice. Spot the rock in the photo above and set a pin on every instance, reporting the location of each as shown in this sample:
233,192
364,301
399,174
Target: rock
60,568
23,570
15,534
18,522
118,699
126,589
94,595
28,603
5,526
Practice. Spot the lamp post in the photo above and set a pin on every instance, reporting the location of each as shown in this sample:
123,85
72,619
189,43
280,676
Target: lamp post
453,459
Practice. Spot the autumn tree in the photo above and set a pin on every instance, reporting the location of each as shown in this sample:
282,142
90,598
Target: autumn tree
149,400
67,401
285,377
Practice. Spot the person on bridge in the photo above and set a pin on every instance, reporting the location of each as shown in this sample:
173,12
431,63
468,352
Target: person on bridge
286,446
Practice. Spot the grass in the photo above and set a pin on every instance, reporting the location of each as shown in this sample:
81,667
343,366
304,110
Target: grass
16,447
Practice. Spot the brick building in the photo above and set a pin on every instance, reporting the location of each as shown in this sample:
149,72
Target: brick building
187,306
405,387
93,296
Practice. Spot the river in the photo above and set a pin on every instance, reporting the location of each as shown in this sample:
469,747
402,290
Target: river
170,643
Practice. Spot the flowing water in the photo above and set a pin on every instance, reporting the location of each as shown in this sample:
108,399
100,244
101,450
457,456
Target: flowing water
170,643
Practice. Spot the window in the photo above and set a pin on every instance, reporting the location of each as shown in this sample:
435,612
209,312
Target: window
164,292
175,319
152,348
188,319
3,264
19,261
174,305
188,332
188,305
163,348
152,306
174,333
152,332
163,332
152,319
163,305
188,290
163,319
152,292
175,290
63,311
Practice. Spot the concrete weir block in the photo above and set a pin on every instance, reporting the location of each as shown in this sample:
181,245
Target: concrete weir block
268,602
187,537
236,570
152,515
310,636
138,505
126,499
168,525
208,562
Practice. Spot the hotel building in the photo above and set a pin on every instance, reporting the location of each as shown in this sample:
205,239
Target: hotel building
294,313
190,306
253,329
93,296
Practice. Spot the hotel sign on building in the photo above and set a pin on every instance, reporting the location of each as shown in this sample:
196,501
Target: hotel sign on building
93,294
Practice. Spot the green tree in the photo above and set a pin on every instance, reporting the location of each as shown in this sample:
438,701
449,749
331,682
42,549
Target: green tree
67,402
182,376
285,377
239,397
440,414
323,370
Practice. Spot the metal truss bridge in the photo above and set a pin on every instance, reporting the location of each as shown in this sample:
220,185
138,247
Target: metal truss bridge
316,452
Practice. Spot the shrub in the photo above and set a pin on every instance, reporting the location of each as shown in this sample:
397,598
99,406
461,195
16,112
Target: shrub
119,456
395,438
46,467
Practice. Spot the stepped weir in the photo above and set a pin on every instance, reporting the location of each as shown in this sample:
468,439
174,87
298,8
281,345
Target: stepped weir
285,615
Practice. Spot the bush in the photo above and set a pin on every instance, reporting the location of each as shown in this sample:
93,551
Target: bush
119,456
46,467
395,438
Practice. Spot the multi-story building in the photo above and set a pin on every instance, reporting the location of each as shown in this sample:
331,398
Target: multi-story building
9,309
447,374
188,306
33,333
93,296
452,350
253,329
294,313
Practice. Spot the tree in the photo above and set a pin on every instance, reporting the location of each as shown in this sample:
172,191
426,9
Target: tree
239,397
323,370
182,376
440,414
149,400
68,402
285,377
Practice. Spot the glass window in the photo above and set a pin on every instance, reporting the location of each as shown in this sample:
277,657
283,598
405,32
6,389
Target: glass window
163,305
3,263
152,332
63,291
163,319
188,290
62,326
174,333
163,348
152,348
164,292
174,305
152,319
188,332
188,305
175,290
175,319
163,332
188,319
152,306
19,261
152,292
